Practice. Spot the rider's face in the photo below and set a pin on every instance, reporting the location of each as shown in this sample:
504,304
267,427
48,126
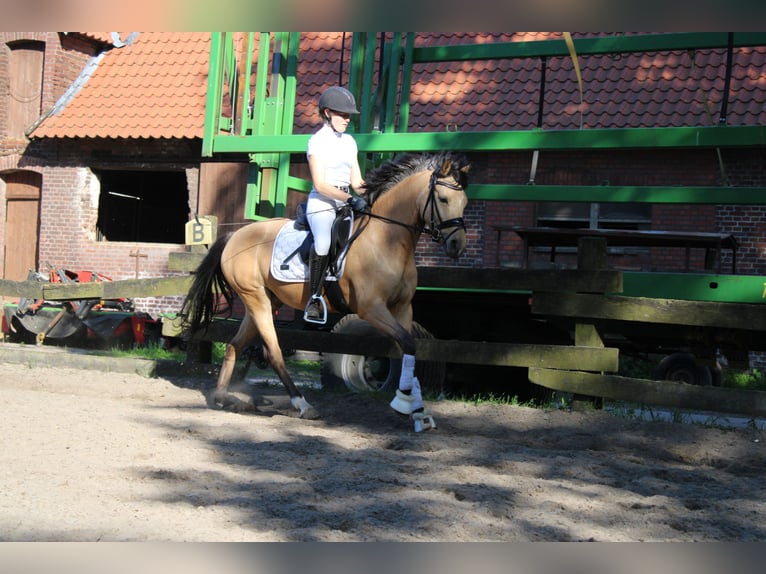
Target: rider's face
339,120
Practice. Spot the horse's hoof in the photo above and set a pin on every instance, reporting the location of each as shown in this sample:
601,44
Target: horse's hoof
423,420
244,407
230,403
304,408
310,414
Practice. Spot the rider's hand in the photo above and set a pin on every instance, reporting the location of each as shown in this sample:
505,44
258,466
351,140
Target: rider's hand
357,203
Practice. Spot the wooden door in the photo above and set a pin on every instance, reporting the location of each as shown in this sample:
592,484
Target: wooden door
25,75
22,224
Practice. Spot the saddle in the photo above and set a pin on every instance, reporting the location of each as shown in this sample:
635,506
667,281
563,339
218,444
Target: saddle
339,238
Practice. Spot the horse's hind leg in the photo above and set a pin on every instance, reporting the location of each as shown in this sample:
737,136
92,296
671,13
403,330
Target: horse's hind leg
262,314
274,354
234,348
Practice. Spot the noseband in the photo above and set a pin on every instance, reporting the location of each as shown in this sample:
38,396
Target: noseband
435,227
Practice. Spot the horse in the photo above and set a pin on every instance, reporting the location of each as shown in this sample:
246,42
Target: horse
408,195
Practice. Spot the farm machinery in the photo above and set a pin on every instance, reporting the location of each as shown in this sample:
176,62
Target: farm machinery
91,322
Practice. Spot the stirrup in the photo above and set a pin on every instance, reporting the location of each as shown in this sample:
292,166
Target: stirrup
310,306
402,403
423,420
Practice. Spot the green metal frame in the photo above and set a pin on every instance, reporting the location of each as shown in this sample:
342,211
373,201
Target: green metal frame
266,134
263,131
695,287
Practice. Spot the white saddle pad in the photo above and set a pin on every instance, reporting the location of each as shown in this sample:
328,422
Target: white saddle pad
294,270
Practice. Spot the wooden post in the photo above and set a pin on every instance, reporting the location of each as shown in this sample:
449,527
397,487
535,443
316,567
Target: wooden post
591,256
591,253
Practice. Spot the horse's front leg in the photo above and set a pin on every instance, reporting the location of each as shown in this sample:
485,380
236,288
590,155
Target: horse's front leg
408,399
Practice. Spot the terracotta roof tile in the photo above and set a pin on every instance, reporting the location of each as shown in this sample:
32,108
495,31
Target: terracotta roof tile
156,87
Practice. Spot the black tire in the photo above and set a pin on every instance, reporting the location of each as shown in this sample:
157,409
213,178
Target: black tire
683,368
370,373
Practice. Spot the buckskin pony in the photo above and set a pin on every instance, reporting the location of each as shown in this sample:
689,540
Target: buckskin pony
407,196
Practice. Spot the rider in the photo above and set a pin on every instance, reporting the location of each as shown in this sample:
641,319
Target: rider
334,165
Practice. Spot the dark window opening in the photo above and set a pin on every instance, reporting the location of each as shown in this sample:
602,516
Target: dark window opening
142,206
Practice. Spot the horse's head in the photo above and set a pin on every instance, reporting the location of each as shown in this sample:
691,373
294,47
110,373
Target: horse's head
443,206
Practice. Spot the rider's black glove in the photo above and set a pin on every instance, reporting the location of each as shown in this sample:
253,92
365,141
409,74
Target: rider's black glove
357,203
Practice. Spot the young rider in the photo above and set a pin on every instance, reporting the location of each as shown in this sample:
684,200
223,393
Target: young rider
332,157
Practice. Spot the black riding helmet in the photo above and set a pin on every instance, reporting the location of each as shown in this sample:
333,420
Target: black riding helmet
337,99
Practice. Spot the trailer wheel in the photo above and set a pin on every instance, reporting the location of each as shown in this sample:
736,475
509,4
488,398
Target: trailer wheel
370,373
683,368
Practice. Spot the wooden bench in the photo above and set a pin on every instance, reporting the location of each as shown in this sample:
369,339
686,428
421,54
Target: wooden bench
554,237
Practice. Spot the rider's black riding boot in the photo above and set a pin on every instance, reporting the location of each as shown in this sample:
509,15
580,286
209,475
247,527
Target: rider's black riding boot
316,310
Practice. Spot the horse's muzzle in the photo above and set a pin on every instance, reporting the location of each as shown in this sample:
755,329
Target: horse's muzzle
454,244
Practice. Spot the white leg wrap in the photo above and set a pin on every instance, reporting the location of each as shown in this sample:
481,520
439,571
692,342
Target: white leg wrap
417,396
300,404
408,371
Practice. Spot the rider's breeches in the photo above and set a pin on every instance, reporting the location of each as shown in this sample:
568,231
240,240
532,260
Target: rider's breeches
320,212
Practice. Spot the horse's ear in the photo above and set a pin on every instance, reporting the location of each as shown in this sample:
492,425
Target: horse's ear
446,168
466,168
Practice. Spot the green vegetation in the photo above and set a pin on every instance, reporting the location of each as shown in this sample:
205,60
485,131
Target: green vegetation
150,351
752,380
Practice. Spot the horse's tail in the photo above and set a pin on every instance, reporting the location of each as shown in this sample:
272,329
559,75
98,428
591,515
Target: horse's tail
203,300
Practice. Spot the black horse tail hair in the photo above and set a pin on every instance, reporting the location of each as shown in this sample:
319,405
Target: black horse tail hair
203,300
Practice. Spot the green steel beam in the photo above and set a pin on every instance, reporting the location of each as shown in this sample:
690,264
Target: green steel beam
619,194
246,122
213,99
393,65
299,184
618,138
616,44
695,287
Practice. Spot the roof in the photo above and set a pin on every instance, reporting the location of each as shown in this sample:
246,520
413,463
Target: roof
156,88
663,89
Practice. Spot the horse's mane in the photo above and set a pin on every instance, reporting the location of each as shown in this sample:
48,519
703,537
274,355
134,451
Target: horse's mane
388,174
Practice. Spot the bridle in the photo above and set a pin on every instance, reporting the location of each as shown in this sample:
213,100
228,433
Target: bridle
437,224
435,229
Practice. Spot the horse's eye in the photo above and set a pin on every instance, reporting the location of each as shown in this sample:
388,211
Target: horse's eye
443,200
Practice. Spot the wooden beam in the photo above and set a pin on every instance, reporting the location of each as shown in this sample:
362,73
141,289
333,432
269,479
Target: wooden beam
661,311
29,289
184,261
467,278
148,287
128,288
662,393
467,352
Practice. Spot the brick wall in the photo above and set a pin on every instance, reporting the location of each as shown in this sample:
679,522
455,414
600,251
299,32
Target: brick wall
69,208
640,168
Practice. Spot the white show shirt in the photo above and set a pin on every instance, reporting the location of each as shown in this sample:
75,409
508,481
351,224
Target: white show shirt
338,152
